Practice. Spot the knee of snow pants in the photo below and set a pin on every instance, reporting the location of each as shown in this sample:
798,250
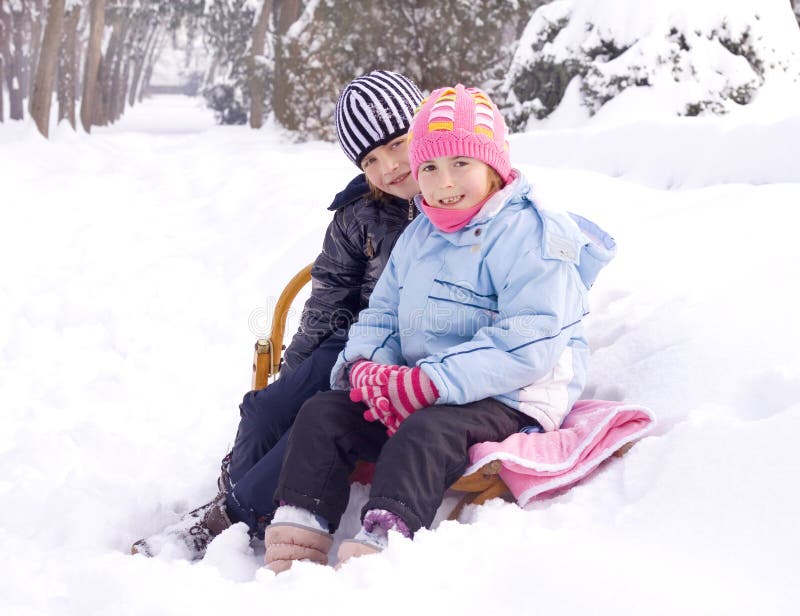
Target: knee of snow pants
267,414
266,417
328,438
252,499
430,451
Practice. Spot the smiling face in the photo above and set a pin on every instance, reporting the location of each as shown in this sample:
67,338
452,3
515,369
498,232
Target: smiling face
387,168
455,182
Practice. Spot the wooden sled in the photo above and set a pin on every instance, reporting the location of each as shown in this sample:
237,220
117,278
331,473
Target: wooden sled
480,486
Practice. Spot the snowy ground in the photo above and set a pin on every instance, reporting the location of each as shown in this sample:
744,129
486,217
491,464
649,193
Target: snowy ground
138,265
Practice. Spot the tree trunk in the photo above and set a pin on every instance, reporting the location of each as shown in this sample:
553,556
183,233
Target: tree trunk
122,94
42,92
68,67
116,55
20,29
4,33
16,69
138,38
81,43
150,63
139,61
106,74
257,84
100,110
37,25
211,73
288,13
93,54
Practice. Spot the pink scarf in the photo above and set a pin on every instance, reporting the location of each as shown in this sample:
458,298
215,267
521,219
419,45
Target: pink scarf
449,220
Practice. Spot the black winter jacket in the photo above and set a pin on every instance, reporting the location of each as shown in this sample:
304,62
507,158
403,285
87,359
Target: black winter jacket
354,252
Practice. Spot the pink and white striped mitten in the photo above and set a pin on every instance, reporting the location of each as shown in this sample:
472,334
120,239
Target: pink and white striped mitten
392,393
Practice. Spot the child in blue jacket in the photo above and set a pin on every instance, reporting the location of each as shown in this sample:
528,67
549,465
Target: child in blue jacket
474,330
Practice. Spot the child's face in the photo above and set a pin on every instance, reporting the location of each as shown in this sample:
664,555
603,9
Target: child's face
388,169
454,182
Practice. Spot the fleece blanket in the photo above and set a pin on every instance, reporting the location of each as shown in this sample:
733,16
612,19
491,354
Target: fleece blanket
537,463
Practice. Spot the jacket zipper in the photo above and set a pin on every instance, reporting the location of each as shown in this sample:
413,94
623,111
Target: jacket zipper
411,209
370,250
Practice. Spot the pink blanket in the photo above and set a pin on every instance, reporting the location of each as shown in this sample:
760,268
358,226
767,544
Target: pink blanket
534,464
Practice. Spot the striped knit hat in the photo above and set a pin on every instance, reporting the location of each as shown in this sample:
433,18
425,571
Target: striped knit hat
374,109
459,122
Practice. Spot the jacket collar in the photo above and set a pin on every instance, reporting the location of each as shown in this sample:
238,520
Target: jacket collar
355,190
468,235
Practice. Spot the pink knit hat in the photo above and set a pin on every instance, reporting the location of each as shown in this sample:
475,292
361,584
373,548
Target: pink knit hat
459,122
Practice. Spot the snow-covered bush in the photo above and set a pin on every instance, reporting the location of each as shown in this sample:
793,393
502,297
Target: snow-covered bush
225,100
690,57
227,32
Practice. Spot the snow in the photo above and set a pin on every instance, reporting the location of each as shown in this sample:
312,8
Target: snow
139,263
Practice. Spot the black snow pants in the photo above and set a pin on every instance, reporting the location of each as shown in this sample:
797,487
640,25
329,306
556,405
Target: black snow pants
413,468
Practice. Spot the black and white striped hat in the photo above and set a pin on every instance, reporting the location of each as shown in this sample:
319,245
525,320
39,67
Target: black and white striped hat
374,109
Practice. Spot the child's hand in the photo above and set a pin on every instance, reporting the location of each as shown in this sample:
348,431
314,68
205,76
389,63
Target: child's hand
378,407
381,412
368,382
398,390
364,372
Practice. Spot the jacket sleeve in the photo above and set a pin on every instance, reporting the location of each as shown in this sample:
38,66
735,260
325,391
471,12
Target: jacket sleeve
376,334
540,305
336,279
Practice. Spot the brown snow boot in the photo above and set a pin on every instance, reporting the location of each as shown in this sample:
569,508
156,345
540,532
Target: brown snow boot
352,548
286,542
195,530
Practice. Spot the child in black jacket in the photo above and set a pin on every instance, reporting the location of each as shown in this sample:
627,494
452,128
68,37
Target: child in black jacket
373,115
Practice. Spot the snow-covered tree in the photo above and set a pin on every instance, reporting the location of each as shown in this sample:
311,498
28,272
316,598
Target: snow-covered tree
681,56
435,43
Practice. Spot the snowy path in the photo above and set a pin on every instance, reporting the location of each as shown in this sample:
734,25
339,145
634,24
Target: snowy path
138,262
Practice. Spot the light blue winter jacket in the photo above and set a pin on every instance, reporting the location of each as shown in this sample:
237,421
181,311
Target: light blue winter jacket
492,310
